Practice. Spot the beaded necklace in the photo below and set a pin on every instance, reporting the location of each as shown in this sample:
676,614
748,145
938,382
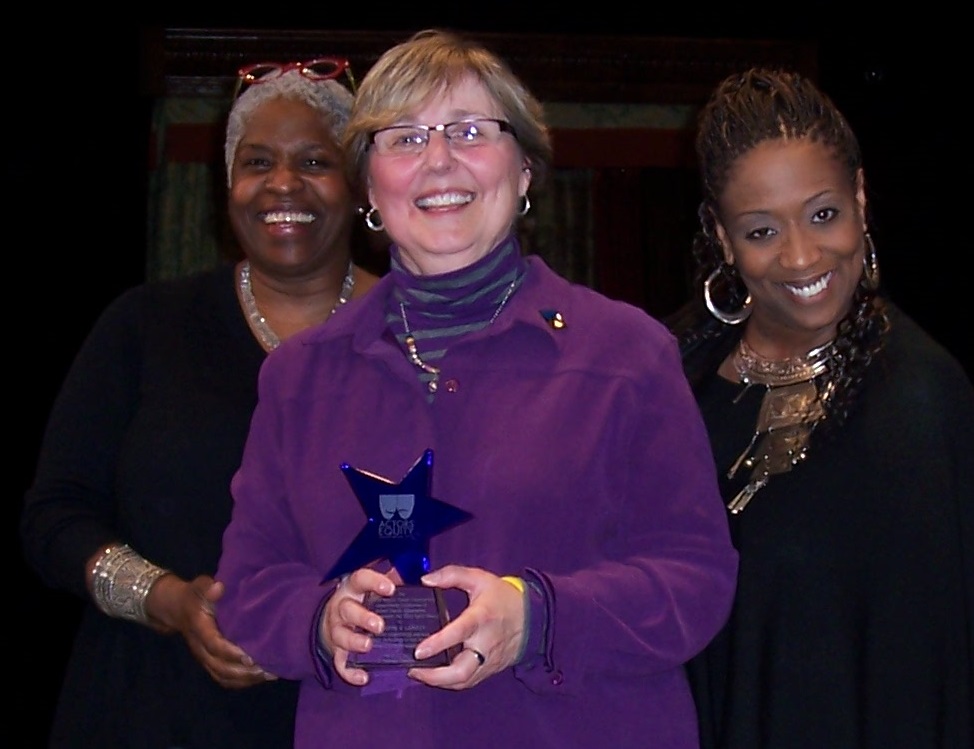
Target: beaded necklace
792,407
258,323
413,354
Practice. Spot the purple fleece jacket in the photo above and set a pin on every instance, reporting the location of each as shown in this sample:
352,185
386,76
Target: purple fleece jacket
580,453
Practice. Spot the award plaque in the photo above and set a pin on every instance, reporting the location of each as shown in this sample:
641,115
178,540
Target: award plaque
400,520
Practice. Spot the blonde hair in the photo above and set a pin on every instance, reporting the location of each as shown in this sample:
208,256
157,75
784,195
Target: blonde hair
328,97
410,73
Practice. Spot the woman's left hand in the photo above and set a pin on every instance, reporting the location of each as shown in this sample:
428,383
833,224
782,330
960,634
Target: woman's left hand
490,630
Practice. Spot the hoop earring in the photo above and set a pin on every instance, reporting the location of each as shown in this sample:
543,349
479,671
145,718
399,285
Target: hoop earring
728,318
870,265
525,206
371,222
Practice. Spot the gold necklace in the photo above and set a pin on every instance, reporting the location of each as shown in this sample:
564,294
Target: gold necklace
410,340
753,368
792,407
258,323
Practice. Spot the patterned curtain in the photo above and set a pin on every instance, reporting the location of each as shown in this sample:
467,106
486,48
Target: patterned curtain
186,196
558,227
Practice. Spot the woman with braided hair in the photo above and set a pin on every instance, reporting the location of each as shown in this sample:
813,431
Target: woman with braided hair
843,434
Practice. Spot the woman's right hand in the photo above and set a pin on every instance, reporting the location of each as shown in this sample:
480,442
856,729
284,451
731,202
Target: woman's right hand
347,626
187,607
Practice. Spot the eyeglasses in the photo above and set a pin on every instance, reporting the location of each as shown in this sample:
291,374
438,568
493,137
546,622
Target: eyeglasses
411,140
319,69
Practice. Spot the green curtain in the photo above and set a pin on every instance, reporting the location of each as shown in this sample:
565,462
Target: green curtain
558,227
186,193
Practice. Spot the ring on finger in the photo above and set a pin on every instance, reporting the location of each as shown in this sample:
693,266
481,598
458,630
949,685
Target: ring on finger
481,658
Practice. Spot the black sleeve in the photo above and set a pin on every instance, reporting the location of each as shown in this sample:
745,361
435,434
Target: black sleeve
70,509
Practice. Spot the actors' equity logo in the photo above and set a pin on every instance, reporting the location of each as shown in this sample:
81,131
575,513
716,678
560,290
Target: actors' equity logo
397,511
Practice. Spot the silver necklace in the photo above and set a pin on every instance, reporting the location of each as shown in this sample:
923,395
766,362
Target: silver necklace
258,323
410,340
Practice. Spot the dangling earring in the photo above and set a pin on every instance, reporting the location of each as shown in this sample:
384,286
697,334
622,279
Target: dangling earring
525,206
373,220
870,265
728,318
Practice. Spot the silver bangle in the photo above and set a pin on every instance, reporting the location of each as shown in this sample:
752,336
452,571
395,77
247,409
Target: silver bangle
121,582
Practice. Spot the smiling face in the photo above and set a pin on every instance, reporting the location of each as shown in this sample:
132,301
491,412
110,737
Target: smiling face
289,203
793,224
448,207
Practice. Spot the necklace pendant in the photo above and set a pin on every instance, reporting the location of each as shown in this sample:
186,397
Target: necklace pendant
788,406
739,502
742,458
787,417
412,352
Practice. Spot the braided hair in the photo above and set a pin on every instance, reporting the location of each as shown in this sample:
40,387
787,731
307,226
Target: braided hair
744,110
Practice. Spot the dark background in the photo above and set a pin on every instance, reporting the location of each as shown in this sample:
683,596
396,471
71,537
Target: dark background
76,128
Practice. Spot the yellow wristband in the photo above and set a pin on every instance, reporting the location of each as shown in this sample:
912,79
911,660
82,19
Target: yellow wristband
515,581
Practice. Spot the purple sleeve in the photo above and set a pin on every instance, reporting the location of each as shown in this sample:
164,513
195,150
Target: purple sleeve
274,591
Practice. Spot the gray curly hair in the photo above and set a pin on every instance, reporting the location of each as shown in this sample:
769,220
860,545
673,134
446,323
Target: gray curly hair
329,97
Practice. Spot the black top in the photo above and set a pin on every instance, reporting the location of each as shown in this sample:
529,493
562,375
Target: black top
141,445
854,617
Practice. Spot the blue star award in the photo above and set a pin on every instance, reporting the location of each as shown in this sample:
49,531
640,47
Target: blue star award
401,519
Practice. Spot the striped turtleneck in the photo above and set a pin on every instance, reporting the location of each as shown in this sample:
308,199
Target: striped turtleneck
441,309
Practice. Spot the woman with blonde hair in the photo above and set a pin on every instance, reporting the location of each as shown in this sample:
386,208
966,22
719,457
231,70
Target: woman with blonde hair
533,456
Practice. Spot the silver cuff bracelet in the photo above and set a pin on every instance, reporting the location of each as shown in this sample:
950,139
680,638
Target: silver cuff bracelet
122,581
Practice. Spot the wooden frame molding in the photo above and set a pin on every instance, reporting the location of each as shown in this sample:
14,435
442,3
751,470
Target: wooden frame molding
556,67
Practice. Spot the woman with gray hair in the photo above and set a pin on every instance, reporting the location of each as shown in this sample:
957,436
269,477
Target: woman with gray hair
131,494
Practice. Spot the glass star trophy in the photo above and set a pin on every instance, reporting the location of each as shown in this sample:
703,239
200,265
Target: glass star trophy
400,520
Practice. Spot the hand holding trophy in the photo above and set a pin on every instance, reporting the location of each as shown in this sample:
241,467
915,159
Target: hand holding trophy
400,520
